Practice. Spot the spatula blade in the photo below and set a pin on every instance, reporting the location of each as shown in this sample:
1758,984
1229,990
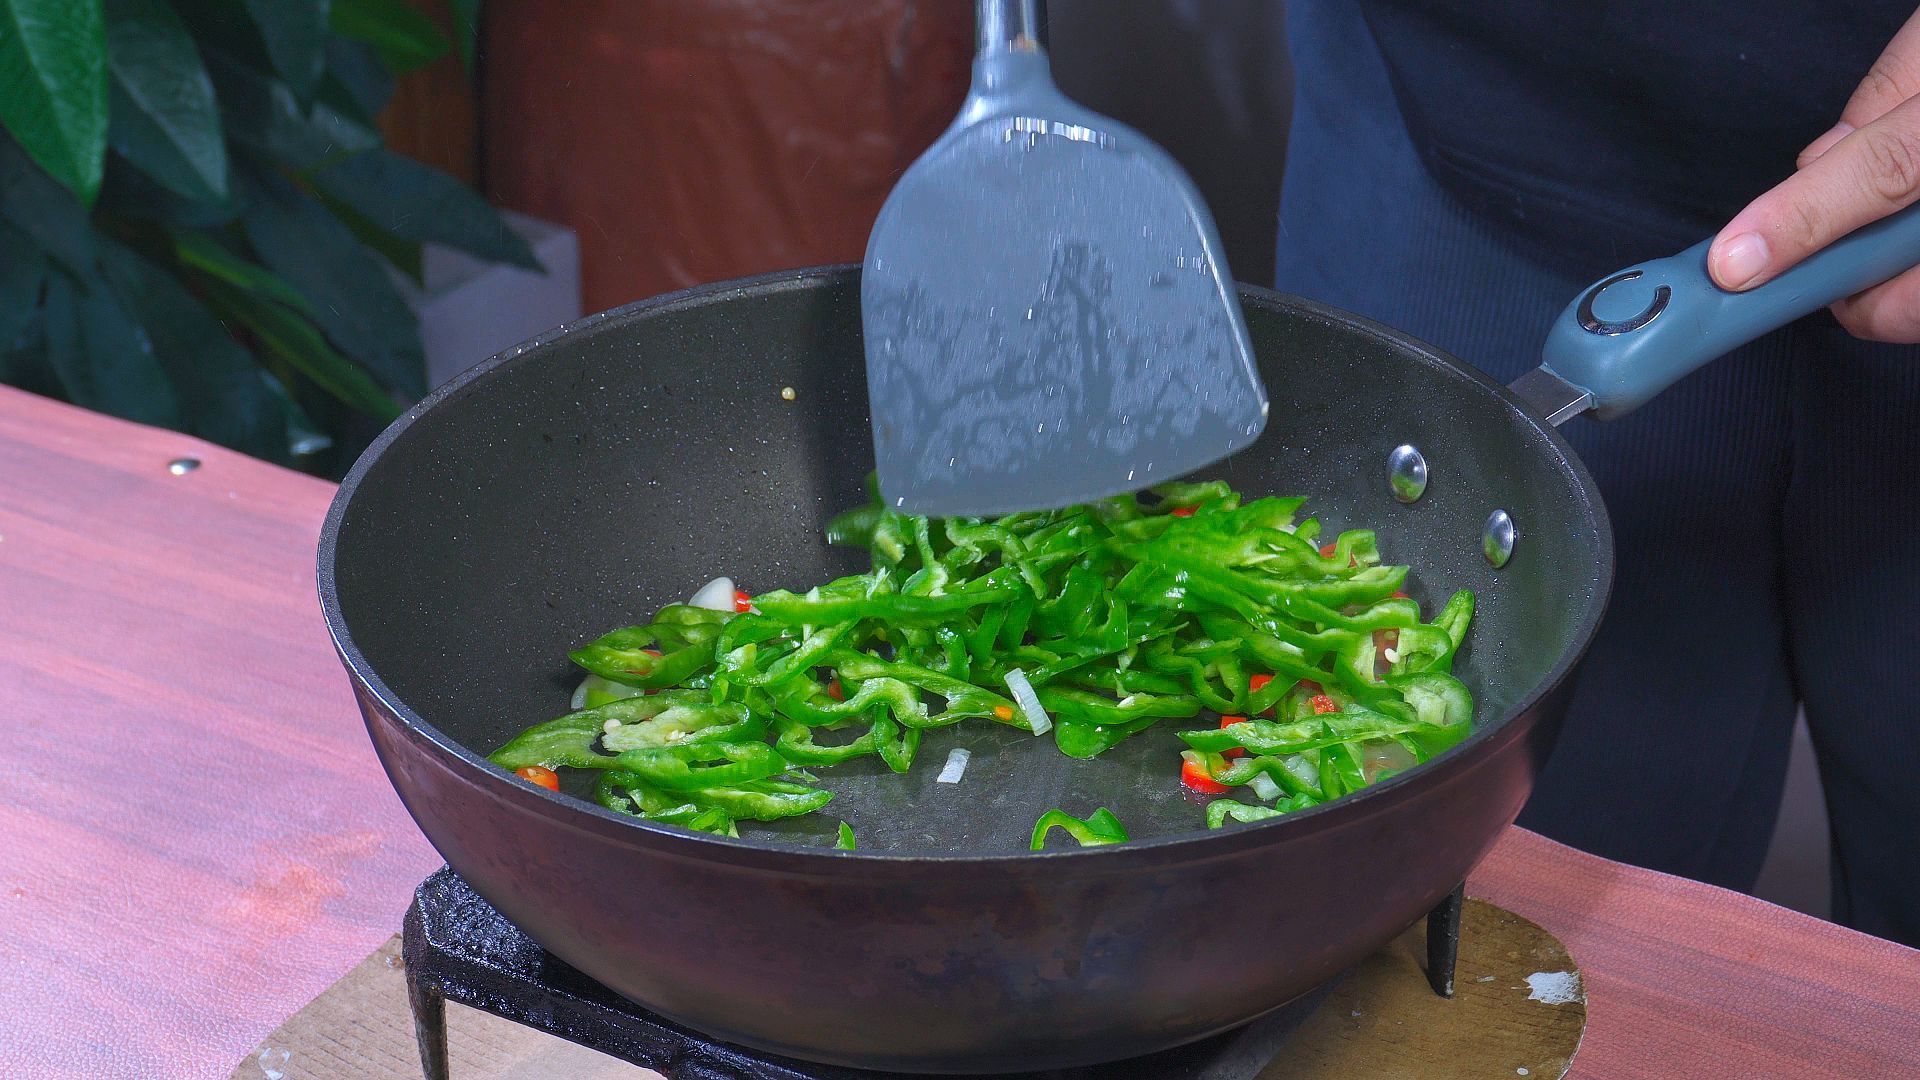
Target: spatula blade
1048,316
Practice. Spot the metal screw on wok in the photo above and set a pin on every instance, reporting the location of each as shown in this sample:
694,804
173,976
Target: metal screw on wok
1407,473
1496,540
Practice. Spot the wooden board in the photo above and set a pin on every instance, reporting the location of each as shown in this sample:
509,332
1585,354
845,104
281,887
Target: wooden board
1518,1009
1382,1023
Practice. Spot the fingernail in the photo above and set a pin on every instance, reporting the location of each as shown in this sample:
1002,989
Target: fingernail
1741,260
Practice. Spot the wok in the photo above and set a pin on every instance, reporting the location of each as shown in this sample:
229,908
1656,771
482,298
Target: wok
581,481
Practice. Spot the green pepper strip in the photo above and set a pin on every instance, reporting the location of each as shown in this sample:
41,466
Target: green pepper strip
737,665
757,800
1245,769
621,657
796,743
569,740
686,725
1220,810
1270,737
1099,828
671,766
794,610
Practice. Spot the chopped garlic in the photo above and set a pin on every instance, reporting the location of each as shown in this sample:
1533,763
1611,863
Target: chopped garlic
715,595
610,726
1392,655
956,766
1037,718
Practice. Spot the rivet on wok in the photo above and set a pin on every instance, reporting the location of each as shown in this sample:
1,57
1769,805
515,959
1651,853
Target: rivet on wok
1406,473
183,465
1496,541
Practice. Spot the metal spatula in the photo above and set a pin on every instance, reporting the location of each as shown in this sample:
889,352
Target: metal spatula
1048,315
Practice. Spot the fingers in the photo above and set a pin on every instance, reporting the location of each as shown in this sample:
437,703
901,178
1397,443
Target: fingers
1866,175
1823,144
1892,79
1887,312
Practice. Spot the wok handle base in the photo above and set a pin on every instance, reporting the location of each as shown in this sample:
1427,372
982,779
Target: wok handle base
1443,941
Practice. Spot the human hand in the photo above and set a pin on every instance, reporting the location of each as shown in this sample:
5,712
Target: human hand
1862,169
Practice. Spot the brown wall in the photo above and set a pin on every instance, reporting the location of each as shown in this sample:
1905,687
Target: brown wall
432,116
695,140
692,140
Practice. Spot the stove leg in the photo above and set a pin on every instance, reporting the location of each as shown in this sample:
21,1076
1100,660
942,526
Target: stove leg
1443,942
429,1027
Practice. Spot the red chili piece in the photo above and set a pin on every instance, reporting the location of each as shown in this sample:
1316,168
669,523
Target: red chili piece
1194,775
537,775
1233,751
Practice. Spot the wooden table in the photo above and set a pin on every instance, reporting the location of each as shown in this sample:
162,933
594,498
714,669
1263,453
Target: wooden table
195,838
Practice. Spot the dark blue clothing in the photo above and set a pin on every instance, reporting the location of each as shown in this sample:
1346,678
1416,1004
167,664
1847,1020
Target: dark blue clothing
1763,508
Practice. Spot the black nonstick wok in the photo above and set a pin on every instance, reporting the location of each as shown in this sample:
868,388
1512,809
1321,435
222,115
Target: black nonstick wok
583,480
580,482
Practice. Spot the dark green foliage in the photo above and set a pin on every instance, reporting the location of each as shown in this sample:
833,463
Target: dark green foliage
199,226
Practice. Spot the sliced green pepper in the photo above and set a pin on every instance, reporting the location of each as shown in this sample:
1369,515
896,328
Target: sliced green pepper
1219,810
673,767
1271,737
1121,614
1099,828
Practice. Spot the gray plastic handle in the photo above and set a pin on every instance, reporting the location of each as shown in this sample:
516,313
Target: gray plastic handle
1633,334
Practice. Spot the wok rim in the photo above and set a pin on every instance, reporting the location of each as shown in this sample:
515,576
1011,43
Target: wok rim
786,857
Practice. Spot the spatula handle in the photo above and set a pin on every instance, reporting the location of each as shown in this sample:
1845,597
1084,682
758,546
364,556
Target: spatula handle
1003,23
1634,333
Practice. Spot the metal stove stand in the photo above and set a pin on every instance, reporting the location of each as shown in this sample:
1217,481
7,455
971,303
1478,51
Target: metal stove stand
458,948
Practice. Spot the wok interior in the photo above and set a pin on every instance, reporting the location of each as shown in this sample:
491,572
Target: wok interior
583,482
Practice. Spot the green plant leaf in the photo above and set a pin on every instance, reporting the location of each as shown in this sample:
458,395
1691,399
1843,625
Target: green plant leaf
226,26
102,357
212,258
44,210
357,83
130,194
295,32
263,114
466,28
404,254
419,202
304,437
217,381
21,272
289,336
354,300
24,363
165,119
53,87
405,38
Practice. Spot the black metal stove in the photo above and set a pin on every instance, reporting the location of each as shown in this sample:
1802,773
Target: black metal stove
458,948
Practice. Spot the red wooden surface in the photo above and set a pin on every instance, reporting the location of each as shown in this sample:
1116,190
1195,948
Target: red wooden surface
195,838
